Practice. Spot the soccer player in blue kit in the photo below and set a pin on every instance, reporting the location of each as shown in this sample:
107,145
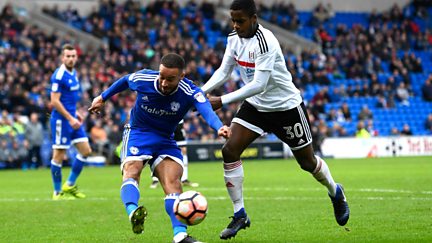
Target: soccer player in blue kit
66,125
163,98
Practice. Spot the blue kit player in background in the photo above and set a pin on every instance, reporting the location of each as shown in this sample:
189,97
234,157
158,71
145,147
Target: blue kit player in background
163,98
271,103
66,125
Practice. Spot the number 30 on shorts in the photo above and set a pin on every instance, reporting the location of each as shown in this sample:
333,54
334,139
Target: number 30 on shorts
295,131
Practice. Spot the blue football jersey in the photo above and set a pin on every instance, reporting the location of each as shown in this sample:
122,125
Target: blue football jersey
156,112
66,83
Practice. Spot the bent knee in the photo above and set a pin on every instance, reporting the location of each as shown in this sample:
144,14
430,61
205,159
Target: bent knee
170,181
307,164
229,153
132,170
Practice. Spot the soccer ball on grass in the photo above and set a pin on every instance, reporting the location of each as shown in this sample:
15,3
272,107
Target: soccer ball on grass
190,207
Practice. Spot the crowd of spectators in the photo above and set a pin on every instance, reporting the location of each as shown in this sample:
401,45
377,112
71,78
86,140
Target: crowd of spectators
136,37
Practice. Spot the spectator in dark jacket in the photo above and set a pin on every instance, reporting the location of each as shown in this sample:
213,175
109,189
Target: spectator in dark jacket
427,89
35,137
428,124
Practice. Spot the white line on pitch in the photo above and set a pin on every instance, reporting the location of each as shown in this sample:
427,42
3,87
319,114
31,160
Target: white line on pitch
255,189
293,198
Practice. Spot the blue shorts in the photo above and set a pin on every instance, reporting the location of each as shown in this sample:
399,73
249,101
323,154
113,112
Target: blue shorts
63,135
149,147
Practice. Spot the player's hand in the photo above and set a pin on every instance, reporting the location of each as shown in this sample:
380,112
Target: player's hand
80,117
96,105
224,131
75,123
215,101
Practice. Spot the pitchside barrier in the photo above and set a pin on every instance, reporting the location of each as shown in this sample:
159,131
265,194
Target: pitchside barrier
377,147
212,151
331,147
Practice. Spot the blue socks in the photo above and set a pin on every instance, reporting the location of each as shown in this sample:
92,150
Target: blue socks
240,213
178,227
130,195
76,170
56,176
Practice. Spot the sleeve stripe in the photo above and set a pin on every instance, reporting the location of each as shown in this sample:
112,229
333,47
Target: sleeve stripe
145,76
59,74
186,86
142,77
185,91
262,41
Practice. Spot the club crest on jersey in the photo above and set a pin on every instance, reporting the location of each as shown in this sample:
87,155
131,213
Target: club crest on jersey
175,106
252,56
133,150
200,97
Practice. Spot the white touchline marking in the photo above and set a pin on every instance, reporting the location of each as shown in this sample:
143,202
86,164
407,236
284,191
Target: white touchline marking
48,199
254,189
285,189
315,189
293,198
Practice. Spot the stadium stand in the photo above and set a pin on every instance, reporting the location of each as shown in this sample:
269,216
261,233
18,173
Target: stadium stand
378,60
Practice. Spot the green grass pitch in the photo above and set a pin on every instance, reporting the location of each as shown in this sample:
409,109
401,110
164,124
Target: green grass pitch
390,201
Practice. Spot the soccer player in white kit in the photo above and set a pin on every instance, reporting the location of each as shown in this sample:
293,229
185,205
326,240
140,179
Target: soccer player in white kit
271,103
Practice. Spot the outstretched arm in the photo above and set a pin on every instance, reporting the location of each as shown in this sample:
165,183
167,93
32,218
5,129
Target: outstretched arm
219,77
222,74
224,131
96,105
205,109
258,85
117,87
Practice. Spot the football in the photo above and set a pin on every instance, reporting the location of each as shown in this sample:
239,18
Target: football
190,207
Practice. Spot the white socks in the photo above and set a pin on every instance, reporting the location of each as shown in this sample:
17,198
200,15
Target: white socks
233,175
323,175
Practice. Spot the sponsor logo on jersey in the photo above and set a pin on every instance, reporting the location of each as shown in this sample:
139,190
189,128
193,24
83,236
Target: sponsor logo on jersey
175,106
158,112
75,87
250,72
301,141
134,150
200,97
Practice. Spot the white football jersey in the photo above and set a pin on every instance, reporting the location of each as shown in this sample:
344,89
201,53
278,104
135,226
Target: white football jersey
263,52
